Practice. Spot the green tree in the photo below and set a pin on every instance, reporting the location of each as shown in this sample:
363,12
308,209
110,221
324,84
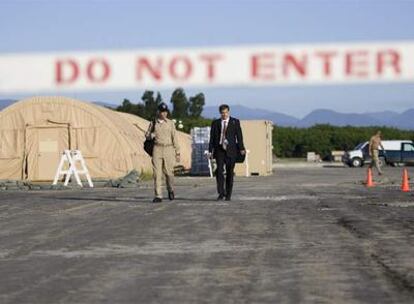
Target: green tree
196,105
129,107
158,99
150,104
180,104
126,106
190,123
323,139
188,112
140,110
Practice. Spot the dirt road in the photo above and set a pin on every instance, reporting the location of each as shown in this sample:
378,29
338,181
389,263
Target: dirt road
313,235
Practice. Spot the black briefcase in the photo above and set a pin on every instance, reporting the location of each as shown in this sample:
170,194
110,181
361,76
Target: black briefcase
149,143
149,146
240,158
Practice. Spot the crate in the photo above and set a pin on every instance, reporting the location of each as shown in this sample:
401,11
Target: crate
200,169
257,136
200,135
198,152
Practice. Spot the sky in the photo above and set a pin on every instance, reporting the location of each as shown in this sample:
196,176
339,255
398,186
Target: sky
38,26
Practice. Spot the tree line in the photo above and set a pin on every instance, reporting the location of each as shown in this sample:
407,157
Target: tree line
287,141
187,110
323,139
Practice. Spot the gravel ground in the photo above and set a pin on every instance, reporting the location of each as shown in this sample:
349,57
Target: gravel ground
303,235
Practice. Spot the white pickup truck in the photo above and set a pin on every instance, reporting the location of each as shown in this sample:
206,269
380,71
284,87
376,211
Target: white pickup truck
395,152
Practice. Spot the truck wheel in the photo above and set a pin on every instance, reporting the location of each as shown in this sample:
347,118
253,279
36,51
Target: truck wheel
357,162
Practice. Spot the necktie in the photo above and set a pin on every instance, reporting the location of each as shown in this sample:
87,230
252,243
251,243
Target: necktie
224,140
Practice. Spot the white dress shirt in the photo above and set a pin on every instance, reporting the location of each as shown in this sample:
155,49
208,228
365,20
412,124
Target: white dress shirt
222,128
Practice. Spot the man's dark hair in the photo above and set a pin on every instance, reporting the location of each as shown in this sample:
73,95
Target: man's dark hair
224,107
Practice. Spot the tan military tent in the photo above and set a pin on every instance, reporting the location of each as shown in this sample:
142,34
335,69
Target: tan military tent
34,132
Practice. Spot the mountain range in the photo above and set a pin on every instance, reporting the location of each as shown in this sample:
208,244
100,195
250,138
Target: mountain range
403,120
321,116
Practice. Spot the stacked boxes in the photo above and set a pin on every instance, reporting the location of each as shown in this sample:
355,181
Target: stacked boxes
199,161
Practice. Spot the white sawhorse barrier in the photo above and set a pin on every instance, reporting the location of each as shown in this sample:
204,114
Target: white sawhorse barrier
69,159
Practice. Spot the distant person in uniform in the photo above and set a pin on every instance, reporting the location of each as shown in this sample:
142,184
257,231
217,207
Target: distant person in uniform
226,141
166,152
374,145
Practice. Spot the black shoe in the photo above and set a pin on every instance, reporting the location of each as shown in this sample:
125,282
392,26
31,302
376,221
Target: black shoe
171,195
220,197
228,198
157,200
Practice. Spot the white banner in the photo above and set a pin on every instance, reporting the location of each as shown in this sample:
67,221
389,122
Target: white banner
262,65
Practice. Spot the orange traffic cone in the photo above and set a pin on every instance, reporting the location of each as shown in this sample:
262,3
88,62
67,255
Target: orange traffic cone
405,187
369,182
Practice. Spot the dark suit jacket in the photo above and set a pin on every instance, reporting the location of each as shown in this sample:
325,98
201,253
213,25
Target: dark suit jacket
234,137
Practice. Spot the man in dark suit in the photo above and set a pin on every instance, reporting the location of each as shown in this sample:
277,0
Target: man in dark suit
226,142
